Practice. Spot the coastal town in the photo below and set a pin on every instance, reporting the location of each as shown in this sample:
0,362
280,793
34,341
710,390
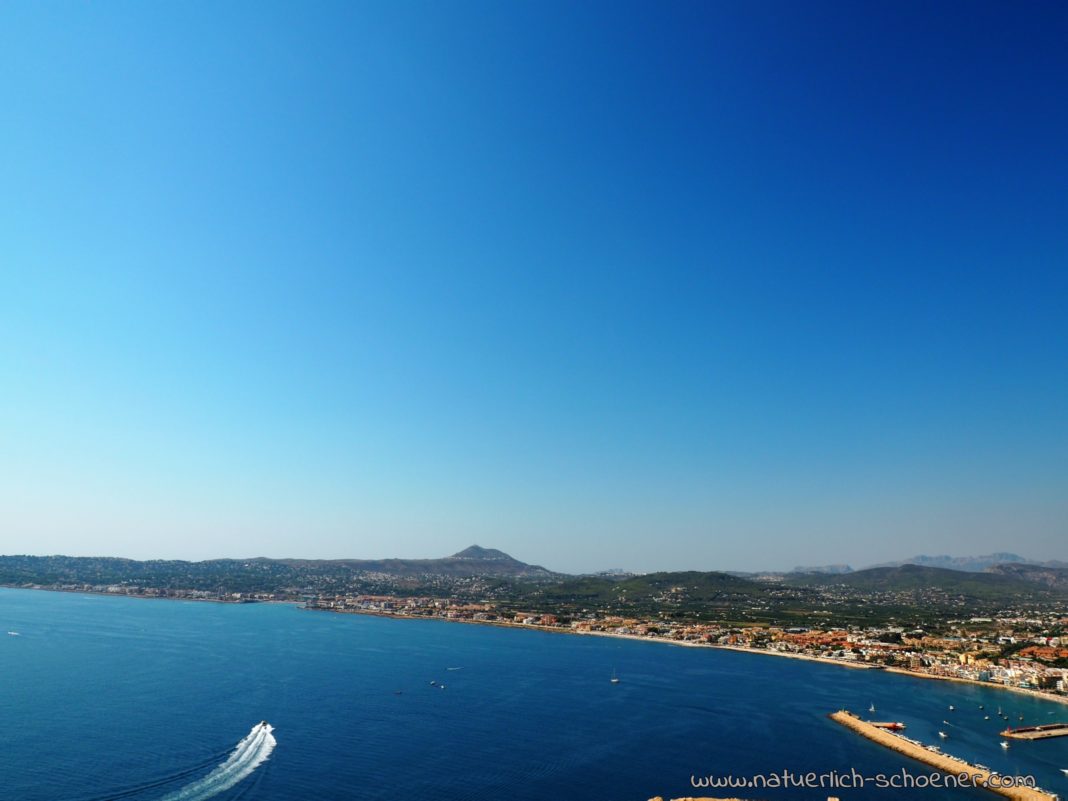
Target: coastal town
1017,651
979,627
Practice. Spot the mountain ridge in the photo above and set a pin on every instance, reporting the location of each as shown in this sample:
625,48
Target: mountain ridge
470,562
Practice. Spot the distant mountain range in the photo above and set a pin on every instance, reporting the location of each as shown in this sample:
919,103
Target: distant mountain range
247,575
832,569
999,575
909,577
967,564
970,564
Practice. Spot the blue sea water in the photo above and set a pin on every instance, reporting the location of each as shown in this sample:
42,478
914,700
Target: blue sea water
117,698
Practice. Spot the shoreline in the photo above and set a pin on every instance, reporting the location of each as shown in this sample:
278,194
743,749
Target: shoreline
144,597
1060,699
1038,694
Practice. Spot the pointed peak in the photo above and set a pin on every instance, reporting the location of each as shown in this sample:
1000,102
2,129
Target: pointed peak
482,554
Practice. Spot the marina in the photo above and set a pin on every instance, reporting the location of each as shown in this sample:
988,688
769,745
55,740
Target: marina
979,775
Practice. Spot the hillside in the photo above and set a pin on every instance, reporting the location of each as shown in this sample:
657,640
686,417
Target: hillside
1055,578
683,595
911,578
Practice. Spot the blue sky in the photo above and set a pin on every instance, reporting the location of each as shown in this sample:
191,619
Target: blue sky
652,286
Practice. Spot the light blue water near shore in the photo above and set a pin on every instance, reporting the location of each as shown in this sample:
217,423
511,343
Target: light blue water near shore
108,698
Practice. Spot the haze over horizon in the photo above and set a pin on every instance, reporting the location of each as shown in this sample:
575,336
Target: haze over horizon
611,285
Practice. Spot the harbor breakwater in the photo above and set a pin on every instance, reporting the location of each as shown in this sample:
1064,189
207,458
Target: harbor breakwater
977,776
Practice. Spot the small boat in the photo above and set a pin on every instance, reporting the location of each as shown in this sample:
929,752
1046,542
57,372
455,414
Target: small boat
1004,743
951,707
980,706
943,735
14,634
442,686
947,722
986,717
433,682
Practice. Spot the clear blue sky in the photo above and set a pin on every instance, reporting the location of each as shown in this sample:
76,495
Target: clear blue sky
684,285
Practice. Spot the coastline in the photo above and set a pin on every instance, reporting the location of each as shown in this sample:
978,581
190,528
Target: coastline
233,602
1060,699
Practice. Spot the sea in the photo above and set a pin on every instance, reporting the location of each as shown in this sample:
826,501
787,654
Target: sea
155,700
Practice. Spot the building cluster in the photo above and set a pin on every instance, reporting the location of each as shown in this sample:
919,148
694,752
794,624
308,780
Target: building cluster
135,591
1027,653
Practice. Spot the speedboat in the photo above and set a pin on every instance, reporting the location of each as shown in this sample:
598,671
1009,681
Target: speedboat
1064,771
943,735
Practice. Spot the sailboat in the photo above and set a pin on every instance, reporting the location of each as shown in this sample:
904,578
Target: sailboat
615,678
872,707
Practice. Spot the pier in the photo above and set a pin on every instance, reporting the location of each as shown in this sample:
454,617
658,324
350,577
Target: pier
980,777
1037,732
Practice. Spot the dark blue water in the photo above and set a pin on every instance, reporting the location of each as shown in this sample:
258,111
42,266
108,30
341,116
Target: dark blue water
107,698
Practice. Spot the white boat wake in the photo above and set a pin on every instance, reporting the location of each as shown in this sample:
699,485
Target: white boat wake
248,755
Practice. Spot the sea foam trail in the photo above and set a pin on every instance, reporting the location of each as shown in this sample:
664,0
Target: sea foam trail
248,755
